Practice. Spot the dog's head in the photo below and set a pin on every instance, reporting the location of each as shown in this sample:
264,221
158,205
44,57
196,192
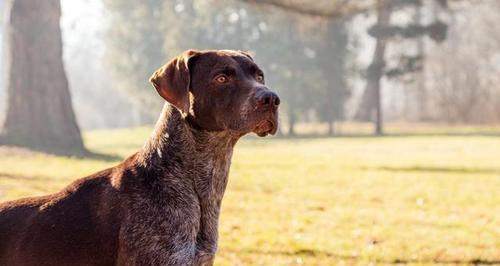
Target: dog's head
219,90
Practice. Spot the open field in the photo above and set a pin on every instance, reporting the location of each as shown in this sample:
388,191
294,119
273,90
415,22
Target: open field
417,200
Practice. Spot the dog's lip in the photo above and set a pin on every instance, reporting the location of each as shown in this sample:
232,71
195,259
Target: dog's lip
266,127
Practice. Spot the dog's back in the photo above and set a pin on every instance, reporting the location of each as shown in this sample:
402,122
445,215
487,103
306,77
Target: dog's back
78,226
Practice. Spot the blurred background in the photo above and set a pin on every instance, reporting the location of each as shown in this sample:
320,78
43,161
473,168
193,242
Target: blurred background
424,74
336,64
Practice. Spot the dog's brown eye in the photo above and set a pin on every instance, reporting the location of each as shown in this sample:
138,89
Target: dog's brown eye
221,79
260,78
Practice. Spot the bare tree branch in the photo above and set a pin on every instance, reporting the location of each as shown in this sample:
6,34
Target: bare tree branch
322,8
339,8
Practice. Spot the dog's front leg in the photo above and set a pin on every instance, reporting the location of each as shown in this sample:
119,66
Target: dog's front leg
210,188
206,247
204,259
206,240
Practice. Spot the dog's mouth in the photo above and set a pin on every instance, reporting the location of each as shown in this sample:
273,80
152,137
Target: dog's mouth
266,127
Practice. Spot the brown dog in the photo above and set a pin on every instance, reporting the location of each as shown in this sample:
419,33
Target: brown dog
161,205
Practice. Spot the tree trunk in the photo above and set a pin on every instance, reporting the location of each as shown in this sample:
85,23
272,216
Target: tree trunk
372,98
291,124
331,129
39,113
421,86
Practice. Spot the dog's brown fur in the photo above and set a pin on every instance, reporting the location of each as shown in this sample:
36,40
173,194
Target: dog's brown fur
161,205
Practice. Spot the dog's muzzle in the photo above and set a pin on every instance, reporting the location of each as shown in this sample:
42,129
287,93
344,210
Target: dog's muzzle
267,103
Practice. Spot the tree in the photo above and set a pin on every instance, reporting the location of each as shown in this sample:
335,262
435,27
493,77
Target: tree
332,59
371,103
465,88
282,49
372,96
39,113
135,41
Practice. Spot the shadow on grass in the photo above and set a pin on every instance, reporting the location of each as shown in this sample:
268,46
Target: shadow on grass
85,154
435,169
25,184
23,177
318,253
100,156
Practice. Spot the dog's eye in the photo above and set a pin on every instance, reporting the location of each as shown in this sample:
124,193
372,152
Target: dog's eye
260,78
221,79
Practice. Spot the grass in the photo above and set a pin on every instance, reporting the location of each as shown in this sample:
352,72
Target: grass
418,200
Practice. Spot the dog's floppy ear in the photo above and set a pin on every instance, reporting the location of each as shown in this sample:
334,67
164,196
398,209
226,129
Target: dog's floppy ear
172,81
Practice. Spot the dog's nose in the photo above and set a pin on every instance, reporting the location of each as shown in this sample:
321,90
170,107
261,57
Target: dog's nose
269,98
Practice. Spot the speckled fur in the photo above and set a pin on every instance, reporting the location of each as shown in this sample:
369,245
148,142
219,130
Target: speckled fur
191,169
164,203
161,205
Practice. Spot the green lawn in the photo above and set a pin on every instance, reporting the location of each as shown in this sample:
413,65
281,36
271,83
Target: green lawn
393,200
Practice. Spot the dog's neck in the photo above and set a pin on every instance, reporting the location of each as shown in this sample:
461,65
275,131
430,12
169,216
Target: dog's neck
177,146
193,161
